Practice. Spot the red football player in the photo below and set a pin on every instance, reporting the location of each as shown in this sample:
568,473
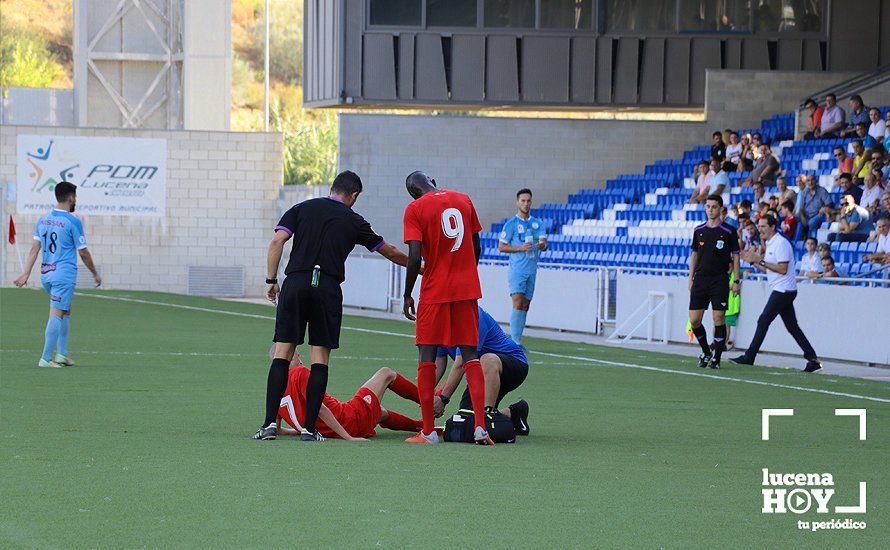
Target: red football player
352,420
442,227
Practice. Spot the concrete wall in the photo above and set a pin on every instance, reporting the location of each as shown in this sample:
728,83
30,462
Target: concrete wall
491,158
222,203
741,99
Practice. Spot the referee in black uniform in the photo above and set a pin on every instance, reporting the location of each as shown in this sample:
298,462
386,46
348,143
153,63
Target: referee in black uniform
715,249
325,230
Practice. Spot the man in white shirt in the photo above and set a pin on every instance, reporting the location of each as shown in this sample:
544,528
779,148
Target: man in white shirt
811,261
882,254
777,264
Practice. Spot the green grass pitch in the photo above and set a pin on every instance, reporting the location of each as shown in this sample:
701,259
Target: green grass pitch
145,443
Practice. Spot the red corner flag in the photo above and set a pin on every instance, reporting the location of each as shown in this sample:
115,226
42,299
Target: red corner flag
11,231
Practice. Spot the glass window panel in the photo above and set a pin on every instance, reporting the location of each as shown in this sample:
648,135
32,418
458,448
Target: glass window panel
641,15
566,14
396,12
510,13
451,13
801,16
715,15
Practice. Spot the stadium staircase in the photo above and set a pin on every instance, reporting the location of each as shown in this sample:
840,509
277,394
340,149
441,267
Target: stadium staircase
643,221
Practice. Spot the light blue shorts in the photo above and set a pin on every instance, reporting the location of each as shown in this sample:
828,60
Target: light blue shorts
522,283
60,294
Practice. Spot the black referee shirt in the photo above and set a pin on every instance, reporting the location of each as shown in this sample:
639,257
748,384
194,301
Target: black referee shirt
715,247
324,233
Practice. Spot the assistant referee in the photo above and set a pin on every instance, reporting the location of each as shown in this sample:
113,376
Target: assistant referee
715,250
324,230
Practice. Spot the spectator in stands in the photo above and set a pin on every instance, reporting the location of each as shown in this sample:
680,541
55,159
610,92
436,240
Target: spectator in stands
700,193
879,159
750,235
744,209
844,162
759,193
884,208
747,153
734,152
774,204
877,127
828,270
811,261
871,195
755,146
762,210
766,168
861,160
785,194
730,217
858,113
814,120
886,142
849,185
867,141
718,180
789,223
882,237
833,119
812,200
854,223
718,149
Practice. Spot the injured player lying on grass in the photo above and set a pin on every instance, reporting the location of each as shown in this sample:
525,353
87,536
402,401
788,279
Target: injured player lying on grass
353,420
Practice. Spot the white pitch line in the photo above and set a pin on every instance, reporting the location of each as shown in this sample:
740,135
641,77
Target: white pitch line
557,355
196,354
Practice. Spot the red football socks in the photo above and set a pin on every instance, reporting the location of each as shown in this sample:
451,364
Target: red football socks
426,385
405,388
476,385
396,421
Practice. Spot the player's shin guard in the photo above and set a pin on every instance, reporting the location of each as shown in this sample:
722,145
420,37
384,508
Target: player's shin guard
400,422
276,384
405,388
517,324
719,341
476,385
51,335
63,335
426,385
315,388
702,336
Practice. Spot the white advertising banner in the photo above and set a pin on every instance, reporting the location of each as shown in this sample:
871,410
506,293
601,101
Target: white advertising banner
114,176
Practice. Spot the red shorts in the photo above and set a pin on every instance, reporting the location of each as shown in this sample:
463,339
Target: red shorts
448,324
362,413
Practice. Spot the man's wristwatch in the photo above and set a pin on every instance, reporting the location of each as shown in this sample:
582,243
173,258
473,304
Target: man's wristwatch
445,399
762,263
271,281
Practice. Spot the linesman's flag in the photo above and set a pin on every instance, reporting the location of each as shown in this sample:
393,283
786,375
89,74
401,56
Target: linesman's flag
11,231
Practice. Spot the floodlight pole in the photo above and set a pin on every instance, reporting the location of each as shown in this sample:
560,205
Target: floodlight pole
266,72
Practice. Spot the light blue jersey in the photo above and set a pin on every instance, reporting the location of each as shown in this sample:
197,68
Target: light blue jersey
61,236
517,232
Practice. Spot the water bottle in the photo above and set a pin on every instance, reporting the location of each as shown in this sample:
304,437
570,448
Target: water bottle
529,238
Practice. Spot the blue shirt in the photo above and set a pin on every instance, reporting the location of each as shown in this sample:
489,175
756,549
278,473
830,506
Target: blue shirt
861,116
720,178
859,214
492,339
517,232
61,236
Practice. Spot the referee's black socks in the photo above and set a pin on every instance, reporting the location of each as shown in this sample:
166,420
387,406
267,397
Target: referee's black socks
276,385
719,341
702,336
315,388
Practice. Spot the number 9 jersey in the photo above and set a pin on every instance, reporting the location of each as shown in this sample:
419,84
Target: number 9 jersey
61,235
444,222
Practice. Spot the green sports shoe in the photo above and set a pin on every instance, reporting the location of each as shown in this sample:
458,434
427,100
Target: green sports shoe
44,364
62,360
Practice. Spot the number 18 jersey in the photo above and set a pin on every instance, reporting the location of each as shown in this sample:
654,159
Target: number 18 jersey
444,222
61,235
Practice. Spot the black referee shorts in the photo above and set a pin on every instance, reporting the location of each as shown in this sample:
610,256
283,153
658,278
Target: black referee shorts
513,373
299,305
709,289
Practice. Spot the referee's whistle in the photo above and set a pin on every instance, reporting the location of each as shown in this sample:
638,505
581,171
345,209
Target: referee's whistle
316,271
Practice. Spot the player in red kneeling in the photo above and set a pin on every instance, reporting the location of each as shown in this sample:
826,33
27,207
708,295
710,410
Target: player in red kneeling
442,227
353,420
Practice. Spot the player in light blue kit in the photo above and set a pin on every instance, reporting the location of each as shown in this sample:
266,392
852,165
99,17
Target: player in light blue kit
59,236
522,238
